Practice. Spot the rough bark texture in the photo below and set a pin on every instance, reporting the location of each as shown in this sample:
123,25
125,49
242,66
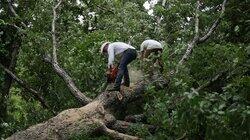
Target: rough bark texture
95,116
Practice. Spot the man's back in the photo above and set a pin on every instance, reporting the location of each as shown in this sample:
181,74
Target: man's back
150,44
119,47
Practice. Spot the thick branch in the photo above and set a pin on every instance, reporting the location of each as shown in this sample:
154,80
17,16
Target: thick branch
110,99
215,24
53,30
88,119
84,120
60,71
27,87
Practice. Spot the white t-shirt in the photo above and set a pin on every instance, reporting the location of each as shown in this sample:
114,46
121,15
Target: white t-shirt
115,49
150,44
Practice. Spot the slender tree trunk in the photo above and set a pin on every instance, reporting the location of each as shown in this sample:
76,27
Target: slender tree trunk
10,63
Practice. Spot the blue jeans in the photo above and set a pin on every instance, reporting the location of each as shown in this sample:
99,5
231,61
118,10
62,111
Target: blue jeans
128,56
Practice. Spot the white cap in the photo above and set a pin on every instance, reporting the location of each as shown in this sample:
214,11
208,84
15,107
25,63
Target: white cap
103,45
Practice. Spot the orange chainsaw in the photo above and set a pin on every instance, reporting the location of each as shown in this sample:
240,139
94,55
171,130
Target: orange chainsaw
111,74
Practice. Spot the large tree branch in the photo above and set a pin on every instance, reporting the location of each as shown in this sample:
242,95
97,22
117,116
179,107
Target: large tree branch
88,119
110,99
53,30
215,24
27,87
85,120
60,71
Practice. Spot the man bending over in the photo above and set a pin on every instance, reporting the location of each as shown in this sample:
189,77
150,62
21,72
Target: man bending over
125,54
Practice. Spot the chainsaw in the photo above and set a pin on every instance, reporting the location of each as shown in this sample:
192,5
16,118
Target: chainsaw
111,74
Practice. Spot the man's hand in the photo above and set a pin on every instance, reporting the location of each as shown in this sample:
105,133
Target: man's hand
110,66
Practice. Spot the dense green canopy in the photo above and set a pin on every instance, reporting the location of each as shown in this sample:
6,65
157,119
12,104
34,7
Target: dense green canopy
208,98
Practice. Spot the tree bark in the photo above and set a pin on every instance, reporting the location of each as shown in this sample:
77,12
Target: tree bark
91,118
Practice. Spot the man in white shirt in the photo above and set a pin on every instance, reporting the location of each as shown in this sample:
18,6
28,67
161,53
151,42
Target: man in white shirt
128,54
150,46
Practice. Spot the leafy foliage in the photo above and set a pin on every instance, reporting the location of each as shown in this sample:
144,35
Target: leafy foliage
220,110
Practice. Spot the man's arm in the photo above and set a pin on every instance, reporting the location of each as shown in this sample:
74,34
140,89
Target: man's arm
142,50
111,56
142,47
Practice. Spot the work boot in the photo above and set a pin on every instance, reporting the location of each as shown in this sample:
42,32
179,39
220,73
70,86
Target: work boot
114,89
125,84
126,81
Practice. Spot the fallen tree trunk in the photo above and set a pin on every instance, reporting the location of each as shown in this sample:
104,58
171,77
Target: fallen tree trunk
93,117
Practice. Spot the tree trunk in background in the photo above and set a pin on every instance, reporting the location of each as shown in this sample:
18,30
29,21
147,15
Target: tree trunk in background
8,61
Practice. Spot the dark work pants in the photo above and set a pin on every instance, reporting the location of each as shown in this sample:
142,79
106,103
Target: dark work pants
128,56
